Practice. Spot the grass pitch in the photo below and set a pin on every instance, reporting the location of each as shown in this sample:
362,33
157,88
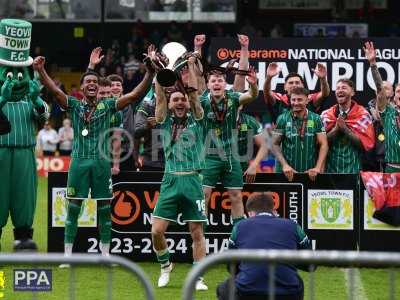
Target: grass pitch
89,283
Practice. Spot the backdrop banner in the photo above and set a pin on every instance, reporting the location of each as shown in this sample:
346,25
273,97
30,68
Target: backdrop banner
330,210
343,57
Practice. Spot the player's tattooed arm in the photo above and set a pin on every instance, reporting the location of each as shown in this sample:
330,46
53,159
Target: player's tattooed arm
252,93
95,58
370,55
161,104
239,82
139,91
60,97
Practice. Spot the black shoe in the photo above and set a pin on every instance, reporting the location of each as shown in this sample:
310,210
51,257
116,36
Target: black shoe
25,245
23,239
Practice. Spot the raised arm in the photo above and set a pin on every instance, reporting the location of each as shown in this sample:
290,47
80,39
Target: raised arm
320,71
239,82
272,70
139,91
161,104
95,58
195,105
252,93
60,97
199,41
370,54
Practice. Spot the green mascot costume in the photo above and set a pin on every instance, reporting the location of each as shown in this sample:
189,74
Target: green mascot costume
21,109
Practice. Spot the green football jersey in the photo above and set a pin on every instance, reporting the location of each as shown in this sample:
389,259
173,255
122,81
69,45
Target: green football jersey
301,153
221,136
343,156
23,118
117,119
185,153
91,138
248,127
391,121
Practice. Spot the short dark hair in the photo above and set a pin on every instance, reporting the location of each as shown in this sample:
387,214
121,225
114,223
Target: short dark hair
260,202
104,81
294,74
300,91
216,73
347,81
115,77
88,73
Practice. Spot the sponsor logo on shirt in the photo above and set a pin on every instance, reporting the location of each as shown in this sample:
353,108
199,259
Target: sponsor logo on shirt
100,106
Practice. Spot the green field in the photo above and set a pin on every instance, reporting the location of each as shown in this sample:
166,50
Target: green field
92,283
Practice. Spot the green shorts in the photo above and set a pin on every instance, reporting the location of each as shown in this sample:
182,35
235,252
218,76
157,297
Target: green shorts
229,172
181,194
93,174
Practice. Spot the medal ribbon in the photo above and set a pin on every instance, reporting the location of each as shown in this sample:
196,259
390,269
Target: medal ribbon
302,129
177,128
220,115
87,115
398,120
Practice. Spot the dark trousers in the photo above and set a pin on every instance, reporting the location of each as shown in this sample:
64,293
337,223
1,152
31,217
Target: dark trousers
223,294
65,152
48,153
128,164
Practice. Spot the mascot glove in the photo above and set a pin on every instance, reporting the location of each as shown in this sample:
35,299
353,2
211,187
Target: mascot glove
34,92
6,89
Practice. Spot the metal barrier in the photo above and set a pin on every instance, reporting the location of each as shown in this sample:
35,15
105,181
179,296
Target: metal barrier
273,257
81,259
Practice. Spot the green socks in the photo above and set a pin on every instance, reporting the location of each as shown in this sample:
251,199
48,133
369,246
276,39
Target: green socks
105,223
71,224
163,257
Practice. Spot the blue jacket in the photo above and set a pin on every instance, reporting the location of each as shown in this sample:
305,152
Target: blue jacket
266,231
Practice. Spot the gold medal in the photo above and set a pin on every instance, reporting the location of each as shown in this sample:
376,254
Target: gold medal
85,132
217,131
381,137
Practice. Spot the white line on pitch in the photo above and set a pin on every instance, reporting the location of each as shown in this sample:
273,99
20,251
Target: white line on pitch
358,285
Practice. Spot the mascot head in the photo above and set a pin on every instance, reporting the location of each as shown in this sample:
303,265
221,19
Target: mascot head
15,42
